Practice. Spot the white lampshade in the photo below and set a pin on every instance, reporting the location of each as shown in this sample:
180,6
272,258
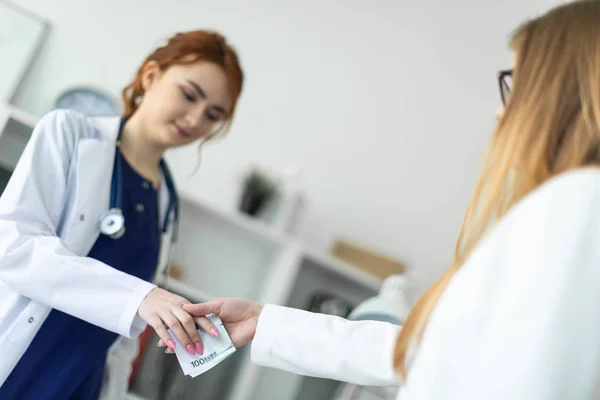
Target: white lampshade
390,305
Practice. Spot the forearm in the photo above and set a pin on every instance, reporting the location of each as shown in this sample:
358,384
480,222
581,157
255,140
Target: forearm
41,268
330,347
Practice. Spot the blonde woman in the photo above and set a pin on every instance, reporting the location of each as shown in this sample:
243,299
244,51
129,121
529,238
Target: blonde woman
517,314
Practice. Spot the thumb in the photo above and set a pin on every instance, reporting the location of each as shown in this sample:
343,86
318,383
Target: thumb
198,310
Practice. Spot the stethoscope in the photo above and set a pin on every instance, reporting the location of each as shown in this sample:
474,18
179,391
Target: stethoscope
112,222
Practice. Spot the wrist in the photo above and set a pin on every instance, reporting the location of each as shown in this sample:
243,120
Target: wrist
256,316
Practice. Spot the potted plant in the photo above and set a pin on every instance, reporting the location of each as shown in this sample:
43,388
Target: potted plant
257,189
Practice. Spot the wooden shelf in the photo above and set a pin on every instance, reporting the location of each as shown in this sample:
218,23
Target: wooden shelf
235,218
16,120
344,269
132,396
16,127
23,117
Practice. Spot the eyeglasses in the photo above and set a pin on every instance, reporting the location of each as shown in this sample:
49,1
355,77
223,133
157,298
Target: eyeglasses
505,82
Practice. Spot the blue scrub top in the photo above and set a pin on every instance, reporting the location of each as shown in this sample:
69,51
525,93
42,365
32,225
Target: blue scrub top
66,358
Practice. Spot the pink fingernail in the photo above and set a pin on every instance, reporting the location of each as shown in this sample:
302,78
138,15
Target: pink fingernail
191,350
199,348
214,332
171,344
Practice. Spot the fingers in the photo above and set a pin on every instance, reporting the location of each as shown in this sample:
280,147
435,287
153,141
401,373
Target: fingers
168,350
179,301
189,326
176,327
207,326
198,310
204,324
161,331
163,310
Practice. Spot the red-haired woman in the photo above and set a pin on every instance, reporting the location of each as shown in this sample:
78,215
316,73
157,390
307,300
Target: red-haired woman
90,212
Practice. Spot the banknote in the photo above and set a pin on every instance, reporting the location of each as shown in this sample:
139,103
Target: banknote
216,349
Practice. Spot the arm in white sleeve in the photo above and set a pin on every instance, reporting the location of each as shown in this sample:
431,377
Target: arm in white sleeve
325,346
35,262
540,339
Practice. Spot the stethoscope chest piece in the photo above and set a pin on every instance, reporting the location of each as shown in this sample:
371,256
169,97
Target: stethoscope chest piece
112,223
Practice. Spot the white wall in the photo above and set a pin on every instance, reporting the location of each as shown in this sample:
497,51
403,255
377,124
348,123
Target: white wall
385,105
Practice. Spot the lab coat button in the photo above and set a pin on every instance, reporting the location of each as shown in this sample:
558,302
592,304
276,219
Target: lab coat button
30,320
81,217
139,207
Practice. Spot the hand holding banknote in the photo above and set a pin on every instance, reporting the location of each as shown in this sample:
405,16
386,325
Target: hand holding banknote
239,317
163,311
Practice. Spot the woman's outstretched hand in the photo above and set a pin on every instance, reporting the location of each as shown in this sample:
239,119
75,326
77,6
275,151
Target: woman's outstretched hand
163,310
240,317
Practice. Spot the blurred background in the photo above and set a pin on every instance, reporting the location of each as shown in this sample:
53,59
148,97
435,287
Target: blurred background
368,118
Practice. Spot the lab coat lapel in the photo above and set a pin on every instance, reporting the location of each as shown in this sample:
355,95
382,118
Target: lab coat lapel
167,245
94,171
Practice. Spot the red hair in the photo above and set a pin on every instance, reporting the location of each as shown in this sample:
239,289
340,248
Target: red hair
187,48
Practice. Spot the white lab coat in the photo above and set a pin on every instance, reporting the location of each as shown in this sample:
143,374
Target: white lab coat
49,216
519,321
325,346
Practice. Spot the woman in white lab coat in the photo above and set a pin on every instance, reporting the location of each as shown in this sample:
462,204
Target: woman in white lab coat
517,314
72,276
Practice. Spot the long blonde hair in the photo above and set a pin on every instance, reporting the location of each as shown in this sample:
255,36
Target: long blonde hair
551,125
